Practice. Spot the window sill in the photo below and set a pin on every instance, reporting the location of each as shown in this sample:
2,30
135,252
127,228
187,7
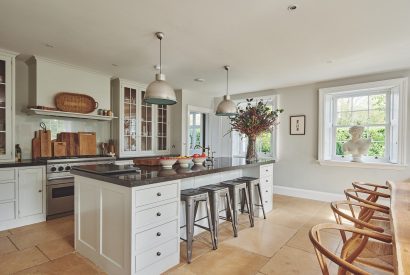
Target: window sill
371,165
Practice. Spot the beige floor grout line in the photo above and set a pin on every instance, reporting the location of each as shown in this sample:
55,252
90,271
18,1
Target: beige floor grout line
42,252
13,243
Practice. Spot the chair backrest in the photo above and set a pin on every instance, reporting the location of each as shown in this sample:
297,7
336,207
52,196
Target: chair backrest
371,187
366,196
350,252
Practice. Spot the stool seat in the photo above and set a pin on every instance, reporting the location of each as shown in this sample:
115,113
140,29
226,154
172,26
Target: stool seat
213,187
233,183
247,179
193,192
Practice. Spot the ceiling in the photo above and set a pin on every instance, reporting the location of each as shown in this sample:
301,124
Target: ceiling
266,45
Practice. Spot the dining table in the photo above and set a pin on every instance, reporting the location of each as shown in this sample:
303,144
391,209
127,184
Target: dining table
400,225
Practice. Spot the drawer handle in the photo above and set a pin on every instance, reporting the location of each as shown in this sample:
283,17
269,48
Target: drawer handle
266,201
159,234
158,253
266,180
40,191
267,170
158,214
159,194
266,191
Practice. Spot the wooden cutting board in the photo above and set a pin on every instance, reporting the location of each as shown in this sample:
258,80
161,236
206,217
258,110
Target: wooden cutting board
59,149
70,140
147,162
87,143
35,147
45,143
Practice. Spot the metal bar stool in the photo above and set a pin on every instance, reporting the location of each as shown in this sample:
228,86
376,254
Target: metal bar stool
192,198
251,183
216,192
236,187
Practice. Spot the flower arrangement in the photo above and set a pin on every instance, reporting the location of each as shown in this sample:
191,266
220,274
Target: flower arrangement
253,120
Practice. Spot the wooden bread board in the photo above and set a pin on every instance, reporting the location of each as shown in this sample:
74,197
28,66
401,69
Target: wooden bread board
147,161
70,140
35,147
75,103
45,143
59,149
87,143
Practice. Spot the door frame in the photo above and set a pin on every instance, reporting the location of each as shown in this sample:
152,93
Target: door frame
204,110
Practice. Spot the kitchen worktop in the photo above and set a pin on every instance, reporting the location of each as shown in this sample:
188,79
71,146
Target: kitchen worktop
23,163
155,174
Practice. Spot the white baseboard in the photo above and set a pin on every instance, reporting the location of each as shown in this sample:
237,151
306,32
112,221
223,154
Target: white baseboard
307,194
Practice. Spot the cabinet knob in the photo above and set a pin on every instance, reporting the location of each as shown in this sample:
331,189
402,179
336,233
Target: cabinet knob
158,214
158,253
159,194
266,191
159,234
266,180
40,191
266,170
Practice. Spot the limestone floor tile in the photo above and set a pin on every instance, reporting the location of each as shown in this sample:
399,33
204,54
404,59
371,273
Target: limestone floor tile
264,239
283,217
199,248
57,248
4,233
20,260
67,265
225,260
289,261
64,223
301,241
6,246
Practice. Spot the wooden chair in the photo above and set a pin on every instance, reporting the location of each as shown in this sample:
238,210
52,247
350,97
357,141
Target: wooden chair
370,186
366,196
349,257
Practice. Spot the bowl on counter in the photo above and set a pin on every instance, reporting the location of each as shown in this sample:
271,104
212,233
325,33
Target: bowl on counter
167,163
198,167
199,160
184,162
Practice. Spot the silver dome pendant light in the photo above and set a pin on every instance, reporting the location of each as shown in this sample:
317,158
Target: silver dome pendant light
159,92
226,107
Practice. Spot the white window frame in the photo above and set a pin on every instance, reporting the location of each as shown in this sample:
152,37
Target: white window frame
274,137
396,133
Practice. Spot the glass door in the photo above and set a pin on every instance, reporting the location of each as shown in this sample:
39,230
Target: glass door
130,120
3,107
162,126
6,146
146,125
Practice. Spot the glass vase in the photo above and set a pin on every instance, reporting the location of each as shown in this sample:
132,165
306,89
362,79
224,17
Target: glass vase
251,155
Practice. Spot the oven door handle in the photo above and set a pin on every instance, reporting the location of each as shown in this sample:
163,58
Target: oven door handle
60,181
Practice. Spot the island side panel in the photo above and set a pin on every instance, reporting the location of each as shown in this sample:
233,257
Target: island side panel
103,224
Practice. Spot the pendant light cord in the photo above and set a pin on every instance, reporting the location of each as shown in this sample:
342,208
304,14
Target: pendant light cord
160,55
227,80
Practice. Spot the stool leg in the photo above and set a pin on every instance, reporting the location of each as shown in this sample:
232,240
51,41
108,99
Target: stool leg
229,208
250,199
234,200
258,186
242,200
189,210
211,227
247,203
214,198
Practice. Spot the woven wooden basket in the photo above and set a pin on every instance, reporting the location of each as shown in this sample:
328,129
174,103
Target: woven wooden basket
75,103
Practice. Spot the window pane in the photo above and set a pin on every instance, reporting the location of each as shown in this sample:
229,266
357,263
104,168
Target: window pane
191,119
264,143
344,118
360,103
343,104
198,119
198,136
359,118
378,102
377,116
342,135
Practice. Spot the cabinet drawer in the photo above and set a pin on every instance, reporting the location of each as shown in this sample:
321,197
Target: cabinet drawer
156,236
156,254
156,194
7,175
266,171
7,191
265,182
157,214
7,211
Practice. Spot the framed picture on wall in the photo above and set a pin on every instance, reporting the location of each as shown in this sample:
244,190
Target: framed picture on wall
297,125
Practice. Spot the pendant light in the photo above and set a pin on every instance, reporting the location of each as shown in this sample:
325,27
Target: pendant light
159,92
226,107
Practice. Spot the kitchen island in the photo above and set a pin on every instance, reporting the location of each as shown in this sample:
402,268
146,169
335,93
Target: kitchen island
129,223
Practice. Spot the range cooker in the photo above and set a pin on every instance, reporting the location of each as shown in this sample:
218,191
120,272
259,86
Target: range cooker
60,183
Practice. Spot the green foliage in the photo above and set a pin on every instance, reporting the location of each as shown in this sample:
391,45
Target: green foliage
377,135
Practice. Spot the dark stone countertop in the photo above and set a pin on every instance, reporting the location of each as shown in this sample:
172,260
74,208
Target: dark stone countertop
155,174
23,163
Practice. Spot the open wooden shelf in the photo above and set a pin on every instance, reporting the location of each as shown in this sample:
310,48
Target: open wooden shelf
33,111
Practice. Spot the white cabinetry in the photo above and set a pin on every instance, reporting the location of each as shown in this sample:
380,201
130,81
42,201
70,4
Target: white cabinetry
7,83
22,196
127,230
141,129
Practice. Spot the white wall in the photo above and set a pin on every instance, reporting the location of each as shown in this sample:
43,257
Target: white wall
26,125
297,166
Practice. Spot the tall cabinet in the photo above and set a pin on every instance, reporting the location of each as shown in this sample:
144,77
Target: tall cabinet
141,129
7,86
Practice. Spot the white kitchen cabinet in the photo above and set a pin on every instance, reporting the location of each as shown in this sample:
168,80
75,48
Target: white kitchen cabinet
141,129
30,191
22,196
7,86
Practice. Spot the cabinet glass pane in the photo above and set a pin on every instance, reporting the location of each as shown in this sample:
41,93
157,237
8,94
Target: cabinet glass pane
130,119
2,71
2,143
2,95
146,125
126,143
162,127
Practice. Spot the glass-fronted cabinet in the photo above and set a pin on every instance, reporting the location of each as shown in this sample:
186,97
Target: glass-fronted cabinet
141,129
6,108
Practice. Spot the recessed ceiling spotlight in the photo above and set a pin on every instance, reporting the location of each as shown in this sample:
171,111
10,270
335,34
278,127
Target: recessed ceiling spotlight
330,61
48,45
157,67
199,79
292,7
114,65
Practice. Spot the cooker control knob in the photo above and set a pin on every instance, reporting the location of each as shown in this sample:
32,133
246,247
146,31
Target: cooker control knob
61,168
68,168
53,169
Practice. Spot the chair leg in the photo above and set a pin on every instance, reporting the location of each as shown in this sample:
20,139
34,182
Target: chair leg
229,208
214,200
189,210
211,227
258,186
247,203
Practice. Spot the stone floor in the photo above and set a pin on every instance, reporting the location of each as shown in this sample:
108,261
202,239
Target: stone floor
277,245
